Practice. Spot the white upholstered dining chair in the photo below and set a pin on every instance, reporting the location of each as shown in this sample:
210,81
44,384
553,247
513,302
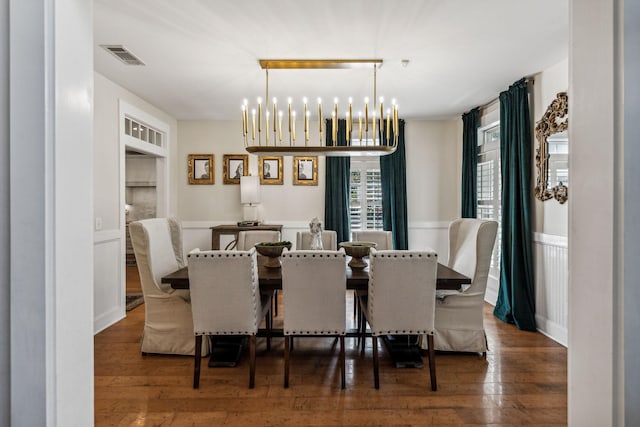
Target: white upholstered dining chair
168,325
329,240
314,283
248,239
226,300
382,239
401,300
459,315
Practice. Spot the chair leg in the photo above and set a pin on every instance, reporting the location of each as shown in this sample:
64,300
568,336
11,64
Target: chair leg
286,361
355,304
197,360
269,321
432,362
275,302
363,330
252,361
342,362
376,379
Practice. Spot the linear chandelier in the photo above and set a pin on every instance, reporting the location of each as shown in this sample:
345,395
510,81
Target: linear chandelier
373,132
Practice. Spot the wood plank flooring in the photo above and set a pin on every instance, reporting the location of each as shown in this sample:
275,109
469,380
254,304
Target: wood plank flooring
522,381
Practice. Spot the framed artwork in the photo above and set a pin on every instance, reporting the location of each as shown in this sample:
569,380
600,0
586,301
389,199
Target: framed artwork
200,169
234,166
270,170
305,170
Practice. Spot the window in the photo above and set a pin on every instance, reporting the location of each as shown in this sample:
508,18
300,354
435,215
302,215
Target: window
488,186
144,133
365,189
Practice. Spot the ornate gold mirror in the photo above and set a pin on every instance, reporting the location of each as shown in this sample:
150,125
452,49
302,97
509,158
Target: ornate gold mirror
552,153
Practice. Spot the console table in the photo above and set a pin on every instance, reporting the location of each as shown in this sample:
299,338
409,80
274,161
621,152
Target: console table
233,230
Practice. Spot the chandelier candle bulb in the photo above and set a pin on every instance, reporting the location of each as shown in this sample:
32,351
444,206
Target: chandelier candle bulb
360,125
350,118
289,102
306,127
388,129
366,115
305,116
381,114
320,117
373,127
245,116
275,113
395,122
259,114
253,124
333,128
348,129
293,126
244,121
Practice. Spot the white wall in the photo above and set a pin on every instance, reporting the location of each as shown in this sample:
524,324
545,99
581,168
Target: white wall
109,241
221,202
433,168
550,216
107,149
550,222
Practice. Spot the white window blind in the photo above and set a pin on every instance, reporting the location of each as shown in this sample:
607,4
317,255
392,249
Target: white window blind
365,207
488,185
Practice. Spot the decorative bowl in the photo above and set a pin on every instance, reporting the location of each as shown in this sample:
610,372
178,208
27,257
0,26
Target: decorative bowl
357,251
272,250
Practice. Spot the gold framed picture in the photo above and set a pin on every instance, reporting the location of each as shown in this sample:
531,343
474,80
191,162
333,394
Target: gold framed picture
305,170
234,166
270,170
200,169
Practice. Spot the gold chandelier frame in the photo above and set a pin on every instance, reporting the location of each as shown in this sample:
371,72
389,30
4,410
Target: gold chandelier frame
257,135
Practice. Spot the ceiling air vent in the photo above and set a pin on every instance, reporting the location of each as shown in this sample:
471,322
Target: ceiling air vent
122,54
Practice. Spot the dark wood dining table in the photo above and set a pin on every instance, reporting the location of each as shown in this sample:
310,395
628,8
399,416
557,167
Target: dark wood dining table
271,278
227,351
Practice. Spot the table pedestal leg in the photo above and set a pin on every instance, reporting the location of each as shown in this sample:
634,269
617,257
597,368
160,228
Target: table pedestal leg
226,351
404,350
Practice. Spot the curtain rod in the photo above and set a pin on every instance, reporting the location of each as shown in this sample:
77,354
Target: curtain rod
486,105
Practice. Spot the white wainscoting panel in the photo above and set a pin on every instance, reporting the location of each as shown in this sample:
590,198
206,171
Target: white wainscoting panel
197,234
430,235
552,280
434,235
108,276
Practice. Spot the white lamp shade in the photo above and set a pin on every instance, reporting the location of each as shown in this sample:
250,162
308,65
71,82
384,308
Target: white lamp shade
249,189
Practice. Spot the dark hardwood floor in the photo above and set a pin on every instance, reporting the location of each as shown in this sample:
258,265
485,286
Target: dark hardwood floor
522,381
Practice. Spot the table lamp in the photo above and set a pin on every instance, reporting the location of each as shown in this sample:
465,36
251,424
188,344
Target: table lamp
250,197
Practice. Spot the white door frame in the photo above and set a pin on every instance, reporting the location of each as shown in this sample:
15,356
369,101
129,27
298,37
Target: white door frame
161,154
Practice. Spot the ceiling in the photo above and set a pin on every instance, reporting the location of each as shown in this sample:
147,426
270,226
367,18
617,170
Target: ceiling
202,56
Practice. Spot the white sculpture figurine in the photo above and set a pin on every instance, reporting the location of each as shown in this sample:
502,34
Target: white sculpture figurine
316,234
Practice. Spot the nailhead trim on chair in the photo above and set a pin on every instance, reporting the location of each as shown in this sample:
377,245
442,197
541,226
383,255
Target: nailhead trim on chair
313,255
407,255
225,333
225,255
333,333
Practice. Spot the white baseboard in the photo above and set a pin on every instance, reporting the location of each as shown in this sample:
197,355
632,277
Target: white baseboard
107,319
553,330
